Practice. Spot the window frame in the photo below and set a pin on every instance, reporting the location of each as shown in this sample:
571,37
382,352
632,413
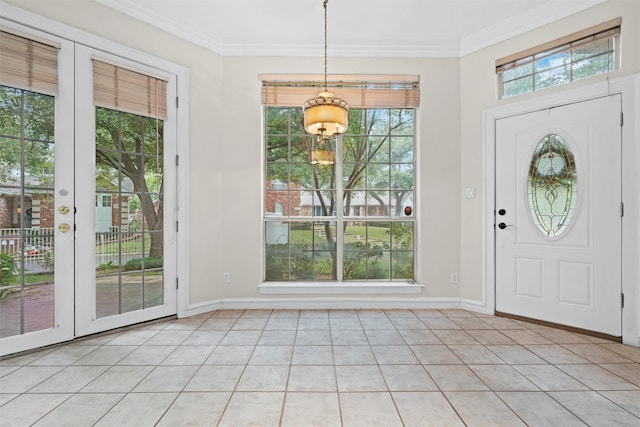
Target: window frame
568,45
339,284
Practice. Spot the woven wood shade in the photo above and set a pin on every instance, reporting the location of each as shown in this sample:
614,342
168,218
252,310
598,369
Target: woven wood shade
126,90
28,63
359,91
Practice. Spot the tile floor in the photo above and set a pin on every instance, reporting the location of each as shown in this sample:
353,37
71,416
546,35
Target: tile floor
327,368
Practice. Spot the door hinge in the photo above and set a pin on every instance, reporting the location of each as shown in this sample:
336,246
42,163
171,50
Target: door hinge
177,227
621,209
177,102
176,283
177,159
621,119
622,300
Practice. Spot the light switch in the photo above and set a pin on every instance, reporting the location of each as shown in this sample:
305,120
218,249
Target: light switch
469,192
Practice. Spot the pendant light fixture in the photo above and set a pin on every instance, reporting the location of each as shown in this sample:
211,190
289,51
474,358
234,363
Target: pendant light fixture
325,115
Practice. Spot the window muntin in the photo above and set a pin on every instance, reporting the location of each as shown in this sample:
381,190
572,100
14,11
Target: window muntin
585,54
319,235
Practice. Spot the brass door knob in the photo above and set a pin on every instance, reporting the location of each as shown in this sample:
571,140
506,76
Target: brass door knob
64,227
63,210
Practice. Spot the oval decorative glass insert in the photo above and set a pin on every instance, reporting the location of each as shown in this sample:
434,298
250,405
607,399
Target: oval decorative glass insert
552,185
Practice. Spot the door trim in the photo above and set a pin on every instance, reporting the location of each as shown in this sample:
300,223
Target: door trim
629,88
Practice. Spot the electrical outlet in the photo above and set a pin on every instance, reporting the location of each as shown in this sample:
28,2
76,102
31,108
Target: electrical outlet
454,278
226,277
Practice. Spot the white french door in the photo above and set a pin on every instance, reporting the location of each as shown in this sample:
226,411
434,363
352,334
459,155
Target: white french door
558,215
126,198
87,198
36,204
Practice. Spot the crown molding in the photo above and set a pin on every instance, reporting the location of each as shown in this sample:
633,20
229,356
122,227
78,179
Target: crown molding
544,14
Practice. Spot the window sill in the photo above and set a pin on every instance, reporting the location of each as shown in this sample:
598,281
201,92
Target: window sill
322,288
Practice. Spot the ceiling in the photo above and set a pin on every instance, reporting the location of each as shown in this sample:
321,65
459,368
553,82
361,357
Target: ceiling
396,28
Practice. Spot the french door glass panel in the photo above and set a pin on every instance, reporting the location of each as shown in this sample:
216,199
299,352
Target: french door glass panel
129,206
36,211
26,202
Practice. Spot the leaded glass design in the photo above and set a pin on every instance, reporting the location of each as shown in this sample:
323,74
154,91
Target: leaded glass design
552,185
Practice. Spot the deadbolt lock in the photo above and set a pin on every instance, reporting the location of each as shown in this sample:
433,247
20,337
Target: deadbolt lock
63,210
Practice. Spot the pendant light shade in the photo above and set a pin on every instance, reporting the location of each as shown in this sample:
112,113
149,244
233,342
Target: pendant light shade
322,154
325,115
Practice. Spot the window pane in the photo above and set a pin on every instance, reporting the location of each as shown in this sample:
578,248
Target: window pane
378,176
379,149
378,203
597,48
558,59
277,176
277,251
591,67
517,72
402,149
277,148
402,176
402,122
10,105
518,87
300,149
377,122
552,77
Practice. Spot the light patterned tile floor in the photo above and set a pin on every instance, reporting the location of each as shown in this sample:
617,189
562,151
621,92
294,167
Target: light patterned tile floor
326,368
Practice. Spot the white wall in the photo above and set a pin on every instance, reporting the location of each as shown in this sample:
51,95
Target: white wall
241,146
226,147
478,92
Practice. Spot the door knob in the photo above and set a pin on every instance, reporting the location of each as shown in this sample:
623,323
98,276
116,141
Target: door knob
64,227
502,226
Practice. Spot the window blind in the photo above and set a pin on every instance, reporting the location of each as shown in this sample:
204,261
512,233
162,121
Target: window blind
28,63
127,90
359,91
572,41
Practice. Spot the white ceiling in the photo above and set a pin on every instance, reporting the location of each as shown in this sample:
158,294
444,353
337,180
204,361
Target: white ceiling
413,28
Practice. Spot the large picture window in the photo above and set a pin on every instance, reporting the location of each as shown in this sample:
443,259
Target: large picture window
353,220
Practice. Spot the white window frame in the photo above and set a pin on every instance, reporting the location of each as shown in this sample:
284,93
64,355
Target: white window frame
339,286
609,30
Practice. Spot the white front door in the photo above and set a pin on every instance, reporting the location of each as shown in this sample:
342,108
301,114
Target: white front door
558,215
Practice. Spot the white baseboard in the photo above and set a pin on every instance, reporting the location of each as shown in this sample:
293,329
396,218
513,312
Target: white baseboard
333,303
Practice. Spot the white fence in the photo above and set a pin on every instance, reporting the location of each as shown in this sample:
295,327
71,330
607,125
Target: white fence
35,251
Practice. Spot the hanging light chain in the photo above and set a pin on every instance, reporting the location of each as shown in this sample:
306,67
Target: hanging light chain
324,4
